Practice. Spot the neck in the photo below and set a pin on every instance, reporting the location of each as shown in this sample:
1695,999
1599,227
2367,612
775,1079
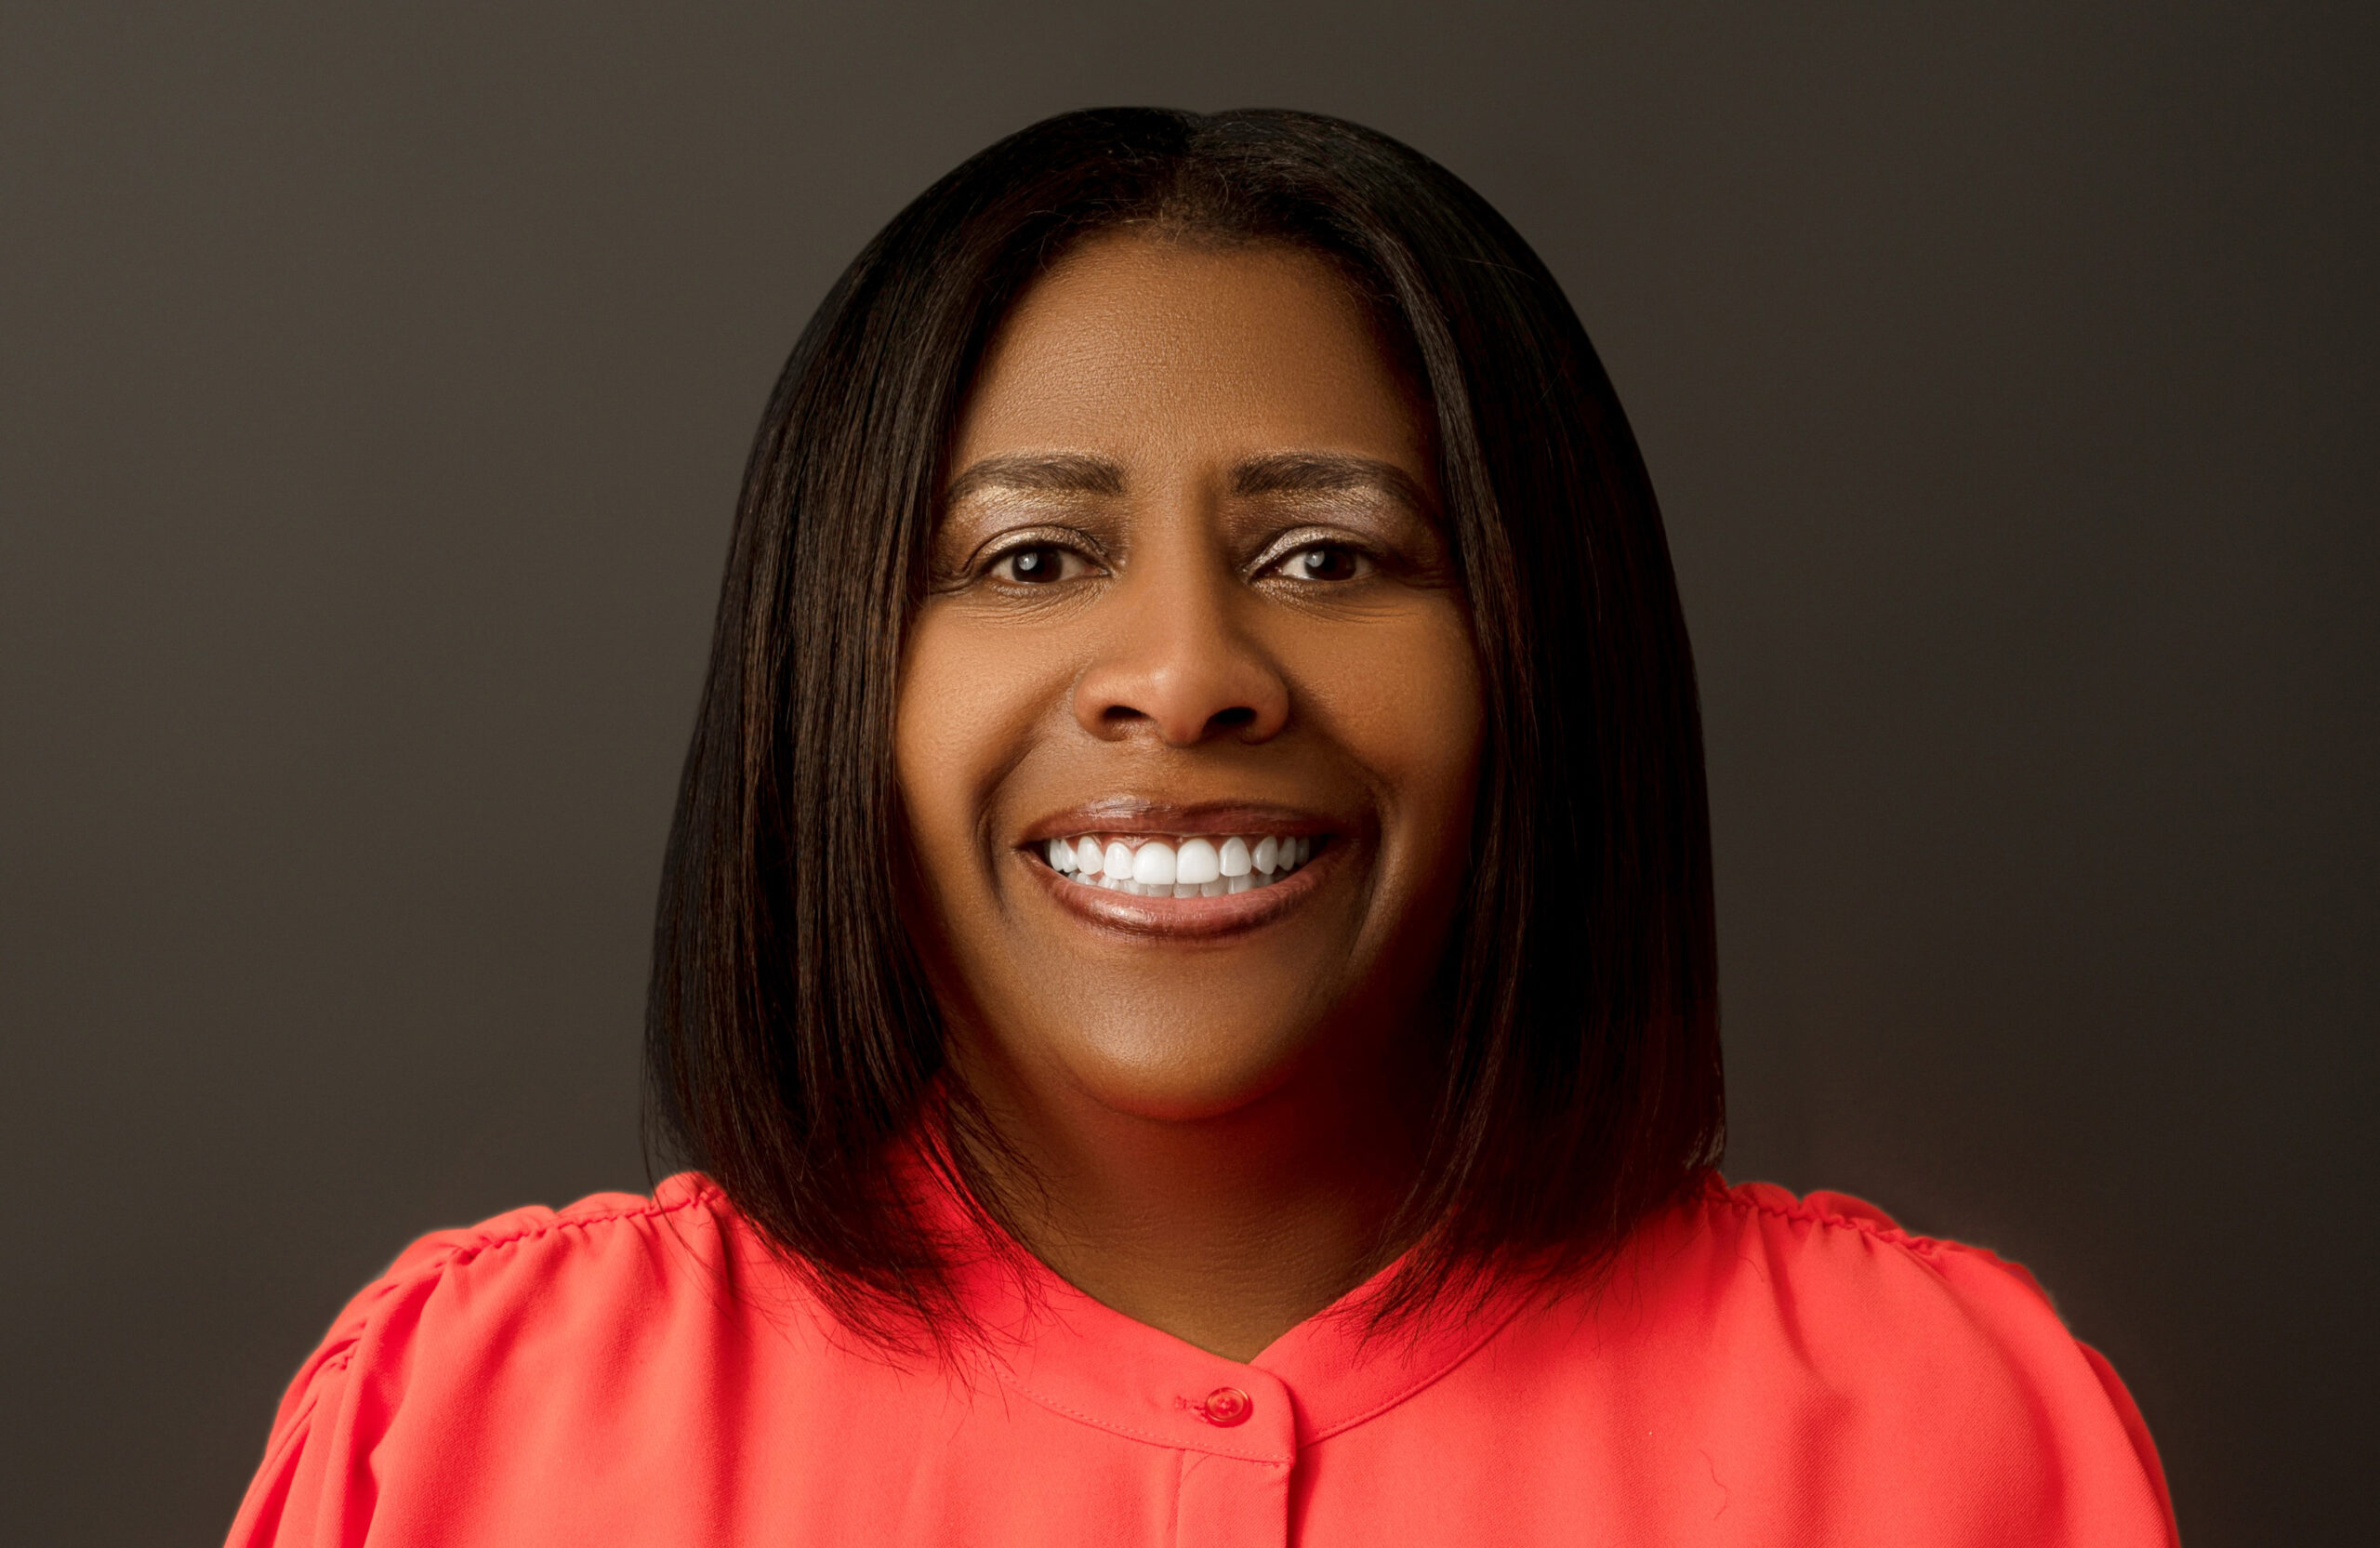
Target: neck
1224,1231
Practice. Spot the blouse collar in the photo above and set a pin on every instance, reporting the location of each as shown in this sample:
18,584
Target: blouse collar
1051,1343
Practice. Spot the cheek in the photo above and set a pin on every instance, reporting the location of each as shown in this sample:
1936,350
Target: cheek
1407,704
961,717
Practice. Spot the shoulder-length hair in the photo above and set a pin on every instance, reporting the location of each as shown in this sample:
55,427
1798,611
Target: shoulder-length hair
792,1047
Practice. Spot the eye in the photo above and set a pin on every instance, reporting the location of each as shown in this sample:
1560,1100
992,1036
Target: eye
1325,561
1036,564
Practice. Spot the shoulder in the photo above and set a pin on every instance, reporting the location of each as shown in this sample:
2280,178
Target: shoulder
535,1240
1842,1265
604,1234
1932,1369
1835,1240
607,1250
536,1330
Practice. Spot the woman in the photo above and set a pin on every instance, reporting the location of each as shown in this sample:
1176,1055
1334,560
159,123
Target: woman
1186,969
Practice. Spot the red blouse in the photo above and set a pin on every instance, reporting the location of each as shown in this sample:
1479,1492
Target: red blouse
1761,1370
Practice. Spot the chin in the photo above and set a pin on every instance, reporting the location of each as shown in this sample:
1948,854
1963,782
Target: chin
1183,1075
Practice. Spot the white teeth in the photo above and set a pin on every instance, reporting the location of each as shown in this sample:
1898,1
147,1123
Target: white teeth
1198,866
1196,862
1153,863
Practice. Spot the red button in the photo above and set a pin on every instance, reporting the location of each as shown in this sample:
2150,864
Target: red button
1227,1406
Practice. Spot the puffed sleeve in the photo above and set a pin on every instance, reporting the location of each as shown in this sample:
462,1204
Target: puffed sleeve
2000,1399
281,1504
319,1486
299,1498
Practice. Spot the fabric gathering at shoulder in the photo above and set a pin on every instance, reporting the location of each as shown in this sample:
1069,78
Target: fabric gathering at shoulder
1826,1208
348,1386
1985,1300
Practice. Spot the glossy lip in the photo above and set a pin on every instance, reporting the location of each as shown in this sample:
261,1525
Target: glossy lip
1182,918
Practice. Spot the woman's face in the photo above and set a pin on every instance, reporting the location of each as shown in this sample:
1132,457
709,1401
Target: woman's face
1189,728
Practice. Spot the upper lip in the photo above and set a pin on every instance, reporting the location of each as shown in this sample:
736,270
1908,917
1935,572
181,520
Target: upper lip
1133,814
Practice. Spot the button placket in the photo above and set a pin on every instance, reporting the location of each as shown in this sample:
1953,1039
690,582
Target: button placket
1234,1487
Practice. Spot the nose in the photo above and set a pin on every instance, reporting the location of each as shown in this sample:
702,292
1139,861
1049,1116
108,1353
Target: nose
1177,666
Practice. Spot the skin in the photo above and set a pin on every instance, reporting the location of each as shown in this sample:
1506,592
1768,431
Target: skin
1235,595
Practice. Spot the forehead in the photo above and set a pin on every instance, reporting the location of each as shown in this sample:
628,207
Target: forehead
1146,350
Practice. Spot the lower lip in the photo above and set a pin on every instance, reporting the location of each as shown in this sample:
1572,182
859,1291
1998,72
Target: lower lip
1186,918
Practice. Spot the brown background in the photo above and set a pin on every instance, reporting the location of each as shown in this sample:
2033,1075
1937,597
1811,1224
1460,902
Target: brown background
373,390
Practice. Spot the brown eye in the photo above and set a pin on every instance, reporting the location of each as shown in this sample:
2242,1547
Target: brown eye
1036,565
1325,561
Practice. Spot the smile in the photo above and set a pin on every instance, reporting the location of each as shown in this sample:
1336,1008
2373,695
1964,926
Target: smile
1200,866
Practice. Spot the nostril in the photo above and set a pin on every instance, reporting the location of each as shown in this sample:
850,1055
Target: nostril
1231,720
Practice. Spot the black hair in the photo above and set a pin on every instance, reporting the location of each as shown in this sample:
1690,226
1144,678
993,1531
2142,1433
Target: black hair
791,1044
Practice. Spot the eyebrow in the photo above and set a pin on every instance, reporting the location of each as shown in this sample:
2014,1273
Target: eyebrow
1327,473
1037,476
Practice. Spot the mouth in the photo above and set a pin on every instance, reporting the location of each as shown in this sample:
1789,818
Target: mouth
1213,874
1180,866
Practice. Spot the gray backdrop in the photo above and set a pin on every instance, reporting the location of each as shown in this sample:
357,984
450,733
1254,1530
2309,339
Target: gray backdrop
376,387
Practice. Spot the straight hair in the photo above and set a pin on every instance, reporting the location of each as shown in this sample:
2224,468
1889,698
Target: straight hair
792,1047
